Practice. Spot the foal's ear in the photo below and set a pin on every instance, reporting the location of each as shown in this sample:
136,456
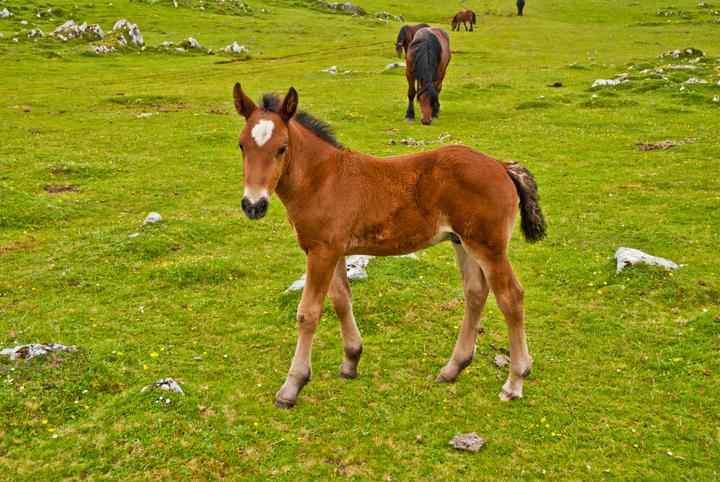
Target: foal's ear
243,104
289,105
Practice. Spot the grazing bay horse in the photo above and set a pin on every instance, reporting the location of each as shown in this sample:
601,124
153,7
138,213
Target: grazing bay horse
341,203
427,59
466,16
405,36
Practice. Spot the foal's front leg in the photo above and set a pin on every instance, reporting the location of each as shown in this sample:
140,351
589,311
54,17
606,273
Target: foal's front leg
341,297
320,267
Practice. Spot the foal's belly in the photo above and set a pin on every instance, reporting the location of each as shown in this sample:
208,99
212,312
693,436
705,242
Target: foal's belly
385,243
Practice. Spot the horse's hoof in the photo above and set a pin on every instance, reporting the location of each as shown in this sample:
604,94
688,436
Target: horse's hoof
507,397
442,379
409,119
284,404
347,376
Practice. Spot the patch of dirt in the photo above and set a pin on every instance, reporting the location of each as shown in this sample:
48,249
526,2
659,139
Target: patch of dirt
58,189
654,146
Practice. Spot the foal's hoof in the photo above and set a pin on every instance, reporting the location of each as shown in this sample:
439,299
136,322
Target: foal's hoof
442,379
507,397
280,403
347,376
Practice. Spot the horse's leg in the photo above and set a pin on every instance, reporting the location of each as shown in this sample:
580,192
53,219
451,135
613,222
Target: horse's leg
410,115
320,266
476,291
341,297
509,296
465,25
438,87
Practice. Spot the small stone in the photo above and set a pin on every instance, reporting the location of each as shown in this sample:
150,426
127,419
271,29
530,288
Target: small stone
628,256
35,350
166,384
153,217
470,442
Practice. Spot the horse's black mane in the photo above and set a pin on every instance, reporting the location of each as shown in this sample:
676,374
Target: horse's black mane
427,56
271,103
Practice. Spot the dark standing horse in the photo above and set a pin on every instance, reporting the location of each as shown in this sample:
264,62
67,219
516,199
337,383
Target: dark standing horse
427,59
405,37
466,16
520,5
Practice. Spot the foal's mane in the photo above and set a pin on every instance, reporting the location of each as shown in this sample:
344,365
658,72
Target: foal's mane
271,103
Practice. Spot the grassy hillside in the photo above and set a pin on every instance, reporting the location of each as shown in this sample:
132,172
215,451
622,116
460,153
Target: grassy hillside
625,374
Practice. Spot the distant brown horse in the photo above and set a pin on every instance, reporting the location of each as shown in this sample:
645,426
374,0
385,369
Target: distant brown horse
427,59
341,202
462,17
405,36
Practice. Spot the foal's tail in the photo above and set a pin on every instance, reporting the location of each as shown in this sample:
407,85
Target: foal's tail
473,20
532,220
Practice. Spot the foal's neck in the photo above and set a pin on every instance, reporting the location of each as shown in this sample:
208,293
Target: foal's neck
310,161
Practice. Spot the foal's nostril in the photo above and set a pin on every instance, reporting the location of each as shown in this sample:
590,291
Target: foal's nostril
261,208
246,207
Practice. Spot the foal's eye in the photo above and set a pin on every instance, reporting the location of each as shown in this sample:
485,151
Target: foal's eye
281,151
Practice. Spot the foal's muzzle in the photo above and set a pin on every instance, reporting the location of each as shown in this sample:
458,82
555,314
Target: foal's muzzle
257,209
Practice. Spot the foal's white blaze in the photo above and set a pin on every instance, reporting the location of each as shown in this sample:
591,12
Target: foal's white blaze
255,195
262,132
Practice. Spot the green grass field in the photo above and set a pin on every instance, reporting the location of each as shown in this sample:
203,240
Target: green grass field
626,367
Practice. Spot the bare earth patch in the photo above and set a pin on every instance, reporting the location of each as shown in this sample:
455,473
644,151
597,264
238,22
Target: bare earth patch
653,146
52,189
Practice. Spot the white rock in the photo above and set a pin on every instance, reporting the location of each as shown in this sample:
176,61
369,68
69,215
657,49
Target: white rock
67,31
153,217
194,43
2,35
627,256
355,266
235,48
23,22
36,32
331,70
695,80
34,350
165,384
395,65
133,30
5,13
609,82
103,49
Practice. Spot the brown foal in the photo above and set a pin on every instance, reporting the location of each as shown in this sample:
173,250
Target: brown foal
341,202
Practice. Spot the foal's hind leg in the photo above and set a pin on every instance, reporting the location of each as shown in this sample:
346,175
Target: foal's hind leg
341,297
476,290
509,295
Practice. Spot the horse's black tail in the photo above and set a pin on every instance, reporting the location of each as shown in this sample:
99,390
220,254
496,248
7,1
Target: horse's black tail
472,18
532,220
